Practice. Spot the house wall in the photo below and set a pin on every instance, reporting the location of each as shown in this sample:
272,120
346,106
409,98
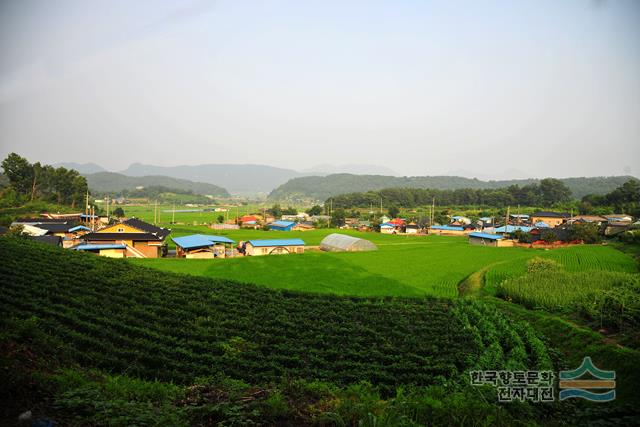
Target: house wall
411,231
449,232
387,230
268,250
200,255
489,242
112,253
150,251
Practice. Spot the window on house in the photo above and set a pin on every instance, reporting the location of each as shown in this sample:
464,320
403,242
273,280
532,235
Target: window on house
120,230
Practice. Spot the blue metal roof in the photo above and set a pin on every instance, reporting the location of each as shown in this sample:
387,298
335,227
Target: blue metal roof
486,218
95,247
199,241
387,225
486,236
276,242
79,227
283,224
513,228
447,227
541,224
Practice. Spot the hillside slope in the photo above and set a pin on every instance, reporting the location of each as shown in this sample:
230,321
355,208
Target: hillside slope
112,182
320,188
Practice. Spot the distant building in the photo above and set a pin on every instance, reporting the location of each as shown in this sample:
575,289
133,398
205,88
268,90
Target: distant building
412,229
273,247
552,219
282,225
507,229
387,228
486,239
304,226
460,220
447,230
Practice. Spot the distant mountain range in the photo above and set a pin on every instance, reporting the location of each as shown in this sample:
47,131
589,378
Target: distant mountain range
317,183
321,188
108,182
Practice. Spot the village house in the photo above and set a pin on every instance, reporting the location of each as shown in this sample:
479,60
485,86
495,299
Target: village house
448,230
458,220
282,225
142,240
552,219
203,246
412,228
387,228
594,219
304,226
273,247
249,221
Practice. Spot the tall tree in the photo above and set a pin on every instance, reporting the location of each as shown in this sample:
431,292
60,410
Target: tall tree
19,172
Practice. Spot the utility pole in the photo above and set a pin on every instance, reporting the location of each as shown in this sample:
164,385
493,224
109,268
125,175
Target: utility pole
86,208
155,212
433,210
506,220
107,208
173,214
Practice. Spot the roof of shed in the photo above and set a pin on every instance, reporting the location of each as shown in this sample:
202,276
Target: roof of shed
199,241
282,224
486,236
513,228
96,247
276,242
447,227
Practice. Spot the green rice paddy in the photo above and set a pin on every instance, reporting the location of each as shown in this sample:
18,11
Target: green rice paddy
403,266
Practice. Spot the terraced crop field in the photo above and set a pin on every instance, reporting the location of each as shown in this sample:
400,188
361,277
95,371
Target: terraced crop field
123,318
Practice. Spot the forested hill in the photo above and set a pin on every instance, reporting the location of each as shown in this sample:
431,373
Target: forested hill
114,182
320,188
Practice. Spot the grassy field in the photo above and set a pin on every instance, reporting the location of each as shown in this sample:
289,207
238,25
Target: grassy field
403,265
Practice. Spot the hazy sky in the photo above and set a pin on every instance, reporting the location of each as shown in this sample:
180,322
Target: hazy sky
423,87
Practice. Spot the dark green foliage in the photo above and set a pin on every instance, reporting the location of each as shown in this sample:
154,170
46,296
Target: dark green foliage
118,212
157,325
323,187
31,182
548,193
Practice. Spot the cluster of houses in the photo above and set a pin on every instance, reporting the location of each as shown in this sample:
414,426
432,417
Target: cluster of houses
136,238
485,231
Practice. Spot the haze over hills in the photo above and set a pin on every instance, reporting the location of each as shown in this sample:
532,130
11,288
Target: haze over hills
356,169
83,168
114,182
321,188
235,178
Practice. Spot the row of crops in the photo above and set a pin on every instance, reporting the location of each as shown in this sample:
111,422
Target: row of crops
128,319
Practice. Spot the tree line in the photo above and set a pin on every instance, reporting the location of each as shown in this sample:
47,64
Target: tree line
547,193
28,182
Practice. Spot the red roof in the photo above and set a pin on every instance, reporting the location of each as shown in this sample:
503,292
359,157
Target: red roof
248,218
397,221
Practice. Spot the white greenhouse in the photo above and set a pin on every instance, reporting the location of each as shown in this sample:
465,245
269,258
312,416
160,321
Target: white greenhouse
341,242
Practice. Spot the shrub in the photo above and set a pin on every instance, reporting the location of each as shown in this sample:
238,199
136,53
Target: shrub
538,264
